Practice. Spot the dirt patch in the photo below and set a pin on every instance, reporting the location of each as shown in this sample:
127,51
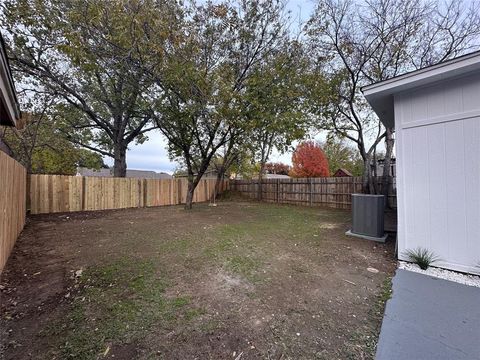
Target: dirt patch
242,279
122,352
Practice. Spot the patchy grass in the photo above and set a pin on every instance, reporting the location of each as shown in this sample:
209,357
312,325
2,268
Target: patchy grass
244,266
368,335
264,280
115,303
384,295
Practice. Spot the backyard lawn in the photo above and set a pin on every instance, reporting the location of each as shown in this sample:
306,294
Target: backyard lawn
243,280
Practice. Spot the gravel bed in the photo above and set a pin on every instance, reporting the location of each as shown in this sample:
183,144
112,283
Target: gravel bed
466,279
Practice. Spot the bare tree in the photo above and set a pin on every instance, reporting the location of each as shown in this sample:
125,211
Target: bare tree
425,34
375,40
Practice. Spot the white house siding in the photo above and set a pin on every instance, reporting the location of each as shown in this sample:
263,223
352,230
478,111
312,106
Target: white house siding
438,162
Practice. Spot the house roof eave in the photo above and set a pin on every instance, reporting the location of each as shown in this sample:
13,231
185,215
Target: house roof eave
380,95
8,96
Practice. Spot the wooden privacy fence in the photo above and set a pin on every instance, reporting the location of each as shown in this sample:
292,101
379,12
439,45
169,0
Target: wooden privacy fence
327,191
13,185
58,193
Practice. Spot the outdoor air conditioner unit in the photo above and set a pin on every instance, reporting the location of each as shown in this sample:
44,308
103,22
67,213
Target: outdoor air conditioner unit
368,217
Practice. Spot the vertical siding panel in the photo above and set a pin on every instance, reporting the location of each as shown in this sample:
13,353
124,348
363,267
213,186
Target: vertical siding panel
437,190
409,209
421,193
455,173
472,187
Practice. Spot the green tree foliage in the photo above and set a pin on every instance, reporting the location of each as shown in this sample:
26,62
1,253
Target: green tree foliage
42,149
245,167
214,74
64,160
274,97
273,108
341,155
276,104
89,55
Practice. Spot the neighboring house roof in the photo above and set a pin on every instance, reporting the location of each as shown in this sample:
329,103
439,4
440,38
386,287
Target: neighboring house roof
342,172
275,176
94,172
211,173
143,174
207,174
140,174
380,94
265,176
9,108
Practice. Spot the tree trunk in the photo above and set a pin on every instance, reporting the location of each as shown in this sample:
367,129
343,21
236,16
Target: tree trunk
260,185
368,186
371,184
366,174
28,164
220,175
120,161
389,143
374,175
194,179
190,191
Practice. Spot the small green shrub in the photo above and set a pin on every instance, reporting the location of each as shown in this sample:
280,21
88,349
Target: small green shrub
422,257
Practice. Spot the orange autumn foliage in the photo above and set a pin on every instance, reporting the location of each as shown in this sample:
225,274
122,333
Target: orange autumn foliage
309,160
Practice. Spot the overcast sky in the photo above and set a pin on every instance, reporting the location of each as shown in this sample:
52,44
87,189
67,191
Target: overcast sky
152,154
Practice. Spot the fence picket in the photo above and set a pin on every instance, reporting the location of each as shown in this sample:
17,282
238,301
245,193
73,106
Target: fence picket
331,191
13,185
57,193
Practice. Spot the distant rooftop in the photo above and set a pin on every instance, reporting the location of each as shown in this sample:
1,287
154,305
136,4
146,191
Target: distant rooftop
276,176
140,174
342,171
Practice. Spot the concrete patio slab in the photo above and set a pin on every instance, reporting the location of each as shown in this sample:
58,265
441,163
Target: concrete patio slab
430,318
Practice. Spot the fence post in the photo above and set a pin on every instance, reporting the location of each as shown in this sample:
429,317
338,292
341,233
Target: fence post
144,192
311,190
84,190
139,193
278,190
